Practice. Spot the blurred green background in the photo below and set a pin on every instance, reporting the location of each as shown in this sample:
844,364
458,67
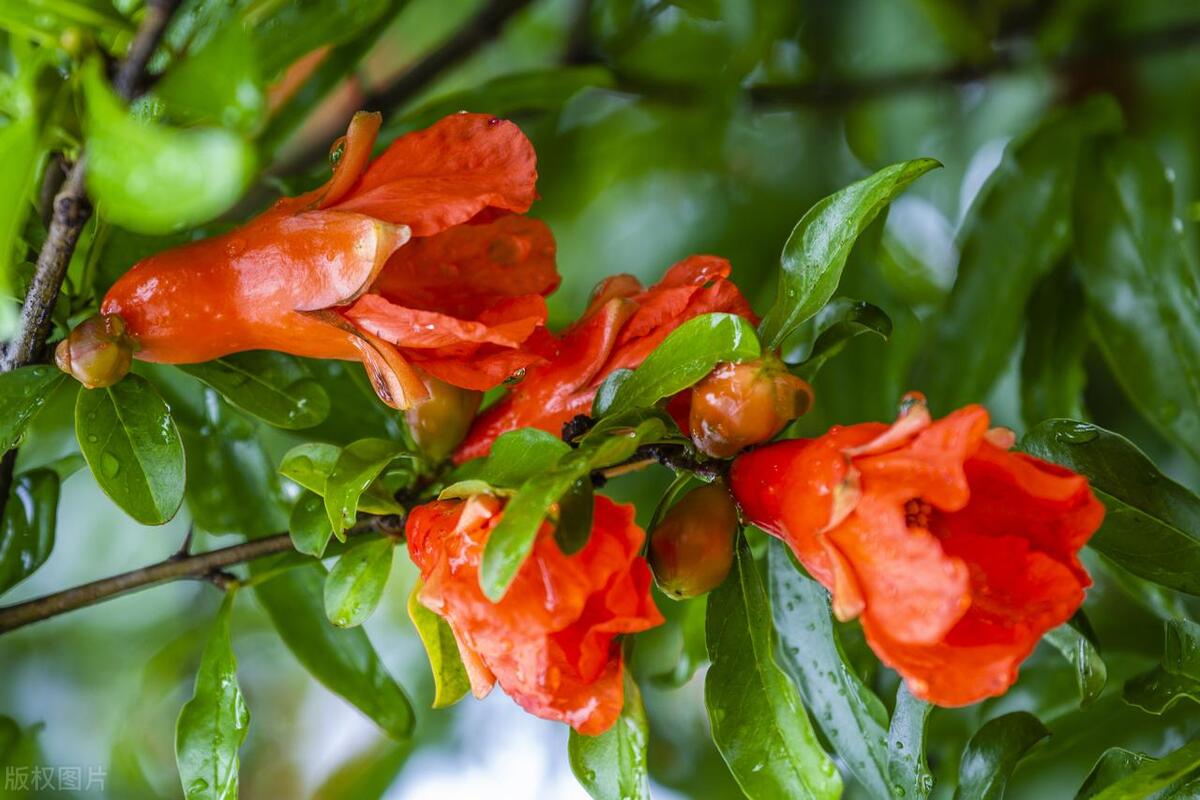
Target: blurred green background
662,129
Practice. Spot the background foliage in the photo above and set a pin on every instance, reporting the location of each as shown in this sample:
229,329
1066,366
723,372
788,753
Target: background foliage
1047,269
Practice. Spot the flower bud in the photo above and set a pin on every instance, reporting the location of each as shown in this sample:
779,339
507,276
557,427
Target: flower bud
738,405
691,549
440,422
98,352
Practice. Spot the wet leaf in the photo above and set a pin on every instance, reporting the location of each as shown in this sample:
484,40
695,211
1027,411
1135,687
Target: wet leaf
450,680
355,584
612,765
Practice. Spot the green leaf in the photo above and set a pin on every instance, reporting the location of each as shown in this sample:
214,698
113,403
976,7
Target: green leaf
133,448
356,468
758,721
816,251
355,584
906,746
1056,337
217,83
1150,776
272,386
1077,642
27,528
518,455
992,754
835,325
450,680
1142,285
1156,690
309,465
23,392
849,714
574,523
686,355
152,178
1152,526
688,616
1018,230
1181,648
309,525
342,659
213,724
1114,764
283,32
612,765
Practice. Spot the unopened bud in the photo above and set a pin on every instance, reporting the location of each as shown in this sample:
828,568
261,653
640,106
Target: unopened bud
98,352
739,405
440,422
691,550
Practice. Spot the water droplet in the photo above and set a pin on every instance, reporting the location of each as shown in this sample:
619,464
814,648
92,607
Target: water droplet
1078,433
110,465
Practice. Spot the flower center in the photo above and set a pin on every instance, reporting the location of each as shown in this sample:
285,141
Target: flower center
917,513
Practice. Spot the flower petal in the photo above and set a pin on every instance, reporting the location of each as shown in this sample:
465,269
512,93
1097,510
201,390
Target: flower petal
395,382
416,329
444,175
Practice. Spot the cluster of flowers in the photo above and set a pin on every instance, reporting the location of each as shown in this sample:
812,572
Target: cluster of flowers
956,553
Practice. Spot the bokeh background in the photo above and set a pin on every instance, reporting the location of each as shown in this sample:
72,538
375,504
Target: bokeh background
664,129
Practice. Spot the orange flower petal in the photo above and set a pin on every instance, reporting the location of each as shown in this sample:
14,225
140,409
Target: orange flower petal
416,329
444,175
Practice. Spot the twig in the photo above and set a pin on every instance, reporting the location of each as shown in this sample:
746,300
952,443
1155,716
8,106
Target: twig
70,212
486,25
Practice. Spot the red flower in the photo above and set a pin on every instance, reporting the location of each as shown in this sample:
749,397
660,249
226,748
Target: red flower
956,553
333,273
622,324
551,642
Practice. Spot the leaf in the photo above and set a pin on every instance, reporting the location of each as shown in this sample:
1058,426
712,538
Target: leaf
309,525
686,355
848,713
133,448
355,584
1142,286
992,754
816,251
1018,229
1181,648
357,466
309,464
342,659
612,765
217,83
758,721
573,525
450,680
518,455
213,724
1056,337
835,325
1156,690
27,528
274,387
688,616
906,746
285,32
152,178
1152,526
1151,775
1114,764
1077,642
23,392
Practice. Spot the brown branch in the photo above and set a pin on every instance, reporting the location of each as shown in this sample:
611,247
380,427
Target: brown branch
480,29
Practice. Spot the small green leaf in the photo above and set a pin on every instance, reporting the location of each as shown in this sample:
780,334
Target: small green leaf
217,83
606,393
612,765
23,392
355,584
849,714
213,724
1152,527
1156,690
356,468
450,680
309,525
342,659
686,355
835,325
1181,648
1142,285
574,523
1077,642
1150,775
518,455
993,752
906,747
133,448
309,464
816,251
27,529
1114,764
758,721
274,387
285,32
154,179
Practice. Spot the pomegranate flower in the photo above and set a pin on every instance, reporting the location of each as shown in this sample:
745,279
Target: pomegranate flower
551,642
413,260
622,324
957,554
